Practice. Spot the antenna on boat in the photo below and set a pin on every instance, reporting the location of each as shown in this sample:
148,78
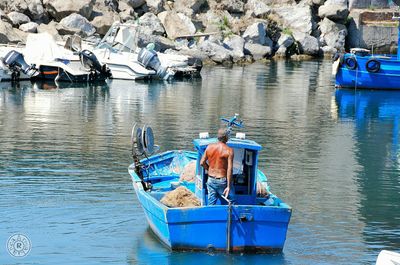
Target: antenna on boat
233,122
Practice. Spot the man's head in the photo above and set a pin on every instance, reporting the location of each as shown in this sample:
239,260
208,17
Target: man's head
223,135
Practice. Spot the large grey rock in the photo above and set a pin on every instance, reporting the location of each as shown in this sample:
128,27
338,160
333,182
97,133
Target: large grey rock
103,23
8,34
257,8
257,51
76,23
37,12
151,24
176,24
14,5
30,27
235,44
334,12
155,6
188,7
333,34
136,3
256,33
59,9
215,52
18,18
298,18
285,40
4,17
309,45
160,42
232,6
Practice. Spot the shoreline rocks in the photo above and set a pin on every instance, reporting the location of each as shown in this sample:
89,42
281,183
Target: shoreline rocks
218,31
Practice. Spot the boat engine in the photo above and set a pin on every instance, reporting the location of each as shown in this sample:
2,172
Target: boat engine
150,60
90,61
15,61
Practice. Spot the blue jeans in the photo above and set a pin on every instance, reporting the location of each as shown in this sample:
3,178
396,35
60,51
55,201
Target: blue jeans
216,188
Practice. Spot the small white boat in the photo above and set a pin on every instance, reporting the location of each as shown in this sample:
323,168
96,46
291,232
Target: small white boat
118,49
43,59
386,257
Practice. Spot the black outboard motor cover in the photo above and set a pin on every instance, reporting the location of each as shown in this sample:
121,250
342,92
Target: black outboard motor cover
149,59
16,62
90,61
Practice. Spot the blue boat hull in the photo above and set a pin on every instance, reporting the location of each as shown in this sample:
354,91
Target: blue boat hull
254,228
387,77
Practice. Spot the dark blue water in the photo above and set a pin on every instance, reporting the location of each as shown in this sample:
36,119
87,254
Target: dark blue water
332,155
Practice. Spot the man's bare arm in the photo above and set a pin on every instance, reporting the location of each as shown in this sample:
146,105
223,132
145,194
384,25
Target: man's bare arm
203,161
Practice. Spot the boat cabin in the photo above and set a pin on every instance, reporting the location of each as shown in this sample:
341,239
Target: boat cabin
245,164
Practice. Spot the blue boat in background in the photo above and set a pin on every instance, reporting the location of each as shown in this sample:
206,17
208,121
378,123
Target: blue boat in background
257,222
360,69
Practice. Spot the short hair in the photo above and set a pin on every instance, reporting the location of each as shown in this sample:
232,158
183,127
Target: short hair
223,135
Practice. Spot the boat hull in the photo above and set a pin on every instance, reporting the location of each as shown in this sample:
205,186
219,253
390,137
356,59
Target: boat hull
387,77
253,228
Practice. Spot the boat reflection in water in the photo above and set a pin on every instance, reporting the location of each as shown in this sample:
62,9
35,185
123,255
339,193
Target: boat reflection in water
376,116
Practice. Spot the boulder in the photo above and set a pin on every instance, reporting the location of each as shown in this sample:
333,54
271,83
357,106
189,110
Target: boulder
136,3
30,27
217,53
232,6
188,7
17,18
76,24
161,43
334,12
328,51
333,34
50,28
8,34
104,22
285,40
20,6
308,45
257,51
281,52
4,17
368,3
155,6
256,33
37,12
151,24
298,18
257,8
235,44
59,9
177,24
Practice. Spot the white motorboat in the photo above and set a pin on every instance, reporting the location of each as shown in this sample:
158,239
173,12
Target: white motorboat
118,49
386,257
43,59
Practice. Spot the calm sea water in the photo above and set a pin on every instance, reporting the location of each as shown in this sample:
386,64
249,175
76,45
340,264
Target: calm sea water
332,155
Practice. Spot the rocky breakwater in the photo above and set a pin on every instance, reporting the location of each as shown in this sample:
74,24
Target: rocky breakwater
218,31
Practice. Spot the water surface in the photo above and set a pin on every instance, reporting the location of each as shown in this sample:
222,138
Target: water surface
332,155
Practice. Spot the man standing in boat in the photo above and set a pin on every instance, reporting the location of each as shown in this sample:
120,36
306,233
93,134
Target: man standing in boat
220,166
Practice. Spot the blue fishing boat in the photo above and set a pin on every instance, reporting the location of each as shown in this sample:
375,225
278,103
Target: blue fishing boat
363,70
257,222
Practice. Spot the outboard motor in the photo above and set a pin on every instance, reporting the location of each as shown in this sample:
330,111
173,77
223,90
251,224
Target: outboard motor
149,59
15,61
89,60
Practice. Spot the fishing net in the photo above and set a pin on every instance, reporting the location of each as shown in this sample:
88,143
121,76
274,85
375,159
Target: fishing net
180,197
189,172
